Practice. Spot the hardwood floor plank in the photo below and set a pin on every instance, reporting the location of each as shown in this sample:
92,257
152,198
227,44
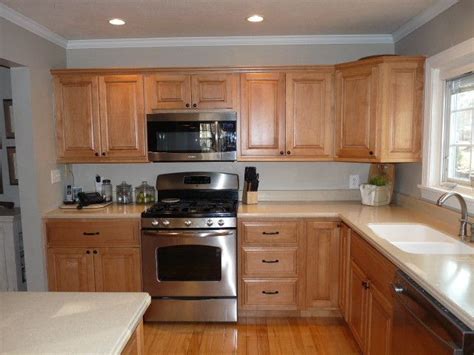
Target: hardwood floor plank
252,336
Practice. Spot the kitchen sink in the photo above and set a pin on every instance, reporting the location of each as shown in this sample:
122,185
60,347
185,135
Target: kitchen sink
417,238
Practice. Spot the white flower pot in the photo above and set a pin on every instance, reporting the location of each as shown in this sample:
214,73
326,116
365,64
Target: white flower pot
373,195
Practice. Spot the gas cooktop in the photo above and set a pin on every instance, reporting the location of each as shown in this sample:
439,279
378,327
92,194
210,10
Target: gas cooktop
177,208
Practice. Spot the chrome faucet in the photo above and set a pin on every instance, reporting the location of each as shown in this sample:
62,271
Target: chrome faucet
464,216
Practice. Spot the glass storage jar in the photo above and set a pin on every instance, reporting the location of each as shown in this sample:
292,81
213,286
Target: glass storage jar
144,193
107,190
124,193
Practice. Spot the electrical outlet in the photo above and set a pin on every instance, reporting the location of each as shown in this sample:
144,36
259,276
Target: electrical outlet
354,181
55,176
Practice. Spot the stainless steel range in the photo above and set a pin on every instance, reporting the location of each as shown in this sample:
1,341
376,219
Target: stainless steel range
189,248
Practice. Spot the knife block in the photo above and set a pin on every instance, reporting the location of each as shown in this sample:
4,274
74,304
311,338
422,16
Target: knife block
250,197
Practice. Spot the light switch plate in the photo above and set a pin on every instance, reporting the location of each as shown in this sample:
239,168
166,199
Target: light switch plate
354,181
55,176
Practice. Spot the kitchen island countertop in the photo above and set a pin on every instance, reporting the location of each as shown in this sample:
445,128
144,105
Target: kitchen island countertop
69,322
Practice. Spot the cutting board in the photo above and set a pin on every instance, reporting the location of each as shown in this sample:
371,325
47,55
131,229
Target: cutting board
90,207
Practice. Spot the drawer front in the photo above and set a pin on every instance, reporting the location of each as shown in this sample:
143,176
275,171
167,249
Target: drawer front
270,232
268,293
269,262
88,233
378,269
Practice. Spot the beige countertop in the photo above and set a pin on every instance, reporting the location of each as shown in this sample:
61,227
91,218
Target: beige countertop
69,322
112,211
449,278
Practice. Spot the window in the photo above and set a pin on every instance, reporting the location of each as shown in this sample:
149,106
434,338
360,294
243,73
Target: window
458,154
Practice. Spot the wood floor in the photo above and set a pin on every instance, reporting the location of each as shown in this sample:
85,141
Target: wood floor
252,336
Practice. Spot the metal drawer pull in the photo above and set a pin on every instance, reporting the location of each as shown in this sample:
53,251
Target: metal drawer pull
91,233
270,233
270,261
270,292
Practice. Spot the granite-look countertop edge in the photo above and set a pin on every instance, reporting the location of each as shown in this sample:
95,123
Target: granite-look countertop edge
132,211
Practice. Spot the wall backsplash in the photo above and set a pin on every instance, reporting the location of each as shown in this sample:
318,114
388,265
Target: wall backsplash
320,176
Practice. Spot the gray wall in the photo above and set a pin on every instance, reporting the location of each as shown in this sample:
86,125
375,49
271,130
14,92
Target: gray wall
274,176
10,192
449,28
35,142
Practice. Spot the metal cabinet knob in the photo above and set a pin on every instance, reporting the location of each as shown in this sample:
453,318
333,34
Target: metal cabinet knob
288,152
187,105
95,251
88,251
195,105
282,152
96,154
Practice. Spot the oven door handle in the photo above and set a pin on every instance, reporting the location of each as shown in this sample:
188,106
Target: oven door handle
189,234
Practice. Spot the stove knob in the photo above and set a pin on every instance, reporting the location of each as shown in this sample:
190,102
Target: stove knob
155,223
210,222
165,222
187,223
220,222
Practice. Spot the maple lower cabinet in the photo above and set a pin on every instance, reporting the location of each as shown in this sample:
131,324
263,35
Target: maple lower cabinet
122,117
370,300
322,264
70,269
309,114
93,255
379,109
270,265
262,120
100,118
190,91
344,267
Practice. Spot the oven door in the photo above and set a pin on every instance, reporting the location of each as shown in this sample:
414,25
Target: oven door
189,263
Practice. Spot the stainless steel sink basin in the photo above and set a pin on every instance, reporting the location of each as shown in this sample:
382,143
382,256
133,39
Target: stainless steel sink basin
417,238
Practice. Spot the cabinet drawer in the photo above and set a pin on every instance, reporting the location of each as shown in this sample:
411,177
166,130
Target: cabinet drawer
88,233
269,262
270,293
270,232
378,269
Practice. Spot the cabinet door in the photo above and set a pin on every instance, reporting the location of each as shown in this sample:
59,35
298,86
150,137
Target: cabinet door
117,269
71,269
344,264
379,323
309,114
356,110
322,248
77,118
262,114
357,318
122,117
402,110
212,91
167,91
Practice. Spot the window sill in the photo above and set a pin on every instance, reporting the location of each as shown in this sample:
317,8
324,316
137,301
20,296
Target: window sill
433,193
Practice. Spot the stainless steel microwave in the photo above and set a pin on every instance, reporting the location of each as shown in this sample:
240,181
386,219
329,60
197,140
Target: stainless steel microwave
192,136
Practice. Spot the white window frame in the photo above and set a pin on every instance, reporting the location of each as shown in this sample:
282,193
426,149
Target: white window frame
443,66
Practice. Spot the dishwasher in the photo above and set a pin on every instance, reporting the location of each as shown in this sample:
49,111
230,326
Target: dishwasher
421,325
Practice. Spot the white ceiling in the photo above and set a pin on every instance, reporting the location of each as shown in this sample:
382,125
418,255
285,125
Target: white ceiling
87,19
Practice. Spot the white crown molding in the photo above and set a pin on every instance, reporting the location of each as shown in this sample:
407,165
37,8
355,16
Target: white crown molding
422,18
31,25
229,41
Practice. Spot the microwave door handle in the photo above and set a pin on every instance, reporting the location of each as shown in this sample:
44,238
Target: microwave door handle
399,293
218,137
189,234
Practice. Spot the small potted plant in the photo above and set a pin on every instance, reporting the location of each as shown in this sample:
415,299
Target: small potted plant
377,192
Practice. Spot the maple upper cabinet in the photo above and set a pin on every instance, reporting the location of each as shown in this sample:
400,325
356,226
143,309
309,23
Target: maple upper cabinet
262,125
379,109
309,114
183,91
100,118
122,117
77,117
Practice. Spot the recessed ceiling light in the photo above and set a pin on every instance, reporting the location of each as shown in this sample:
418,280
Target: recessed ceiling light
255,18
117,22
